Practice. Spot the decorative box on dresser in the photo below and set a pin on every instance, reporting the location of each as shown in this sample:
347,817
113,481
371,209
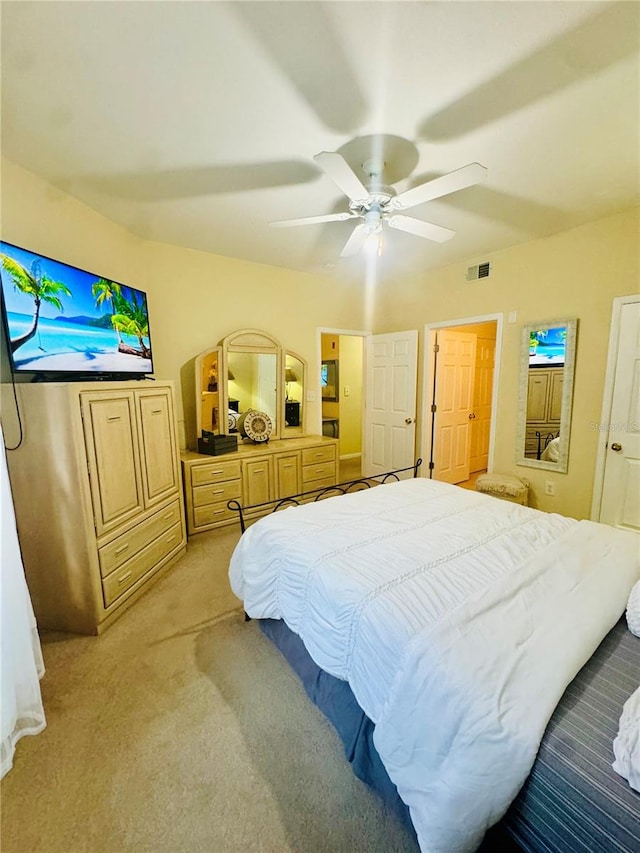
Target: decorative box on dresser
97,490
253,474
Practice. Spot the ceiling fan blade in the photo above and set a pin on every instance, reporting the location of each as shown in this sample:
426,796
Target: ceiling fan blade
467,176
355,242
341,174
420,228
313,220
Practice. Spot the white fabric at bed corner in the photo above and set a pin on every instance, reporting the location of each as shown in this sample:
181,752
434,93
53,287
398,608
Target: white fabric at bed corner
626,746
633,610
458,621
21,710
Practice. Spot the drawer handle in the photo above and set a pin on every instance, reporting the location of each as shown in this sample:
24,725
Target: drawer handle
156,411
218,492
213,473
218,512
170,538
168,515
122,549
124,578
113,418
319,470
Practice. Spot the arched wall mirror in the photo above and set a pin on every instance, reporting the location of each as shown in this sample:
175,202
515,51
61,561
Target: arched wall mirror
249,370
547,361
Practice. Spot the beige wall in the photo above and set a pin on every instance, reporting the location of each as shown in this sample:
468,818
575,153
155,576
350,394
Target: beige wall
575,273
195,298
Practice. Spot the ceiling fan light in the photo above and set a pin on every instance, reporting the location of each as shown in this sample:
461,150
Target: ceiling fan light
373,221
373,243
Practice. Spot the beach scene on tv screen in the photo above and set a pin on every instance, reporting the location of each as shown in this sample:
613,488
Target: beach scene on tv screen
547,347
63,319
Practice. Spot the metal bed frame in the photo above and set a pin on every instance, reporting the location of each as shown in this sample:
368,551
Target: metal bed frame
320,493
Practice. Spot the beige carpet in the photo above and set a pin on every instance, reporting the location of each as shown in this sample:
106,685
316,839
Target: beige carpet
183,729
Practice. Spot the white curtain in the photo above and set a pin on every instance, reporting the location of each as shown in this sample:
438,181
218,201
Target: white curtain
20,654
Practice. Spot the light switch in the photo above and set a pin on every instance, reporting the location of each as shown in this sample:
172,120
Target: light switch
311,396
347,391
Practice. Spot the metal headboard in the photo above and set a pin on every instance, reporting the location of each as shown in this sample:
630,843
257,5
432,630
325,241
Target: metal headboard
317,494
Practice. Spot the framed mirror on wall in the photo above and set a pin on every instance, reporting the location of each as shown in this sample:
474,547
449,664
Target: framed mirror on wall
547,359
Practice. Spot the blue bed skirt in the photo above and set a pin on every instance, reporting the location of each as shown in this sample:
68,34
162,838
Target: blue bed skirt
572,801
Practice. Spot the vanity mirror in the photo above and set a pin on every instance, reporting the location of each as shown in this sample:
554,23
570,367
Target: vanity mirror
546,392
249,371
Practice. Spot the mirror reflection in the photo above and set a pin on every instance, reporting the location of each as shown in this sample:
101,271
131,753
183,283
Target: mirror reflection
546,386
293,392
251,384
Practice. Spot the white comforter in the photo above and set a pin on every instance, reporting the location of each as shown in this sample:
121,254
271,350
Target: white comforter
458,620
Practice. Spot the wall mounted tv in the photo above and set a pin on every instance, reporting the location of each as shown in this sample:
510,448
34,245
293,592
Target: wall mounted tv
65,323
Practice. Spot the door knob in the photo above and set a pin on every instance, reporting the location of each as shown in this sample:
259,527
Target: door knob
617,447
472,416
408,420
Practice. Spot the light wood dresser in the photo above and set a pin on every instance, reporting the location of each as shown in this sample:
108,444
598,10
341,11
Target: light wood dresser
253,474
97,490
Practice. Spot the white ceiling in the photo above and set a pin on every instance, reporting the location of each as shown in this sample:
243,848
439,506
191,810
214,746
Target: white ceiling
195,123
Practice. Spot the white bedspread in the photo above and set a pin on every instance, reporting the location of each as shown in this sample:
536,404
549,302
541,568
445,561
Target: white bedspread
457,619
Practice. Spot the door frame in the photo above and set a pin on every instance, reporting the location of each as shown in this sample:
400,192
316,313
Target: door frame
326,330
428,374
607,400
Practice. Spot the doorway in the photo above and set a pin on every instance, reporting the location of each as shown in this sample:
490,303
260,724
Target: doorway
460,394
342,384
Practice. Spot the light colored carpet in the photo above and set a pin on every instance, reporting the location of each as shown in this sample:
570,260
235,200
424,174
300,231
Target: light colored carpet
183,729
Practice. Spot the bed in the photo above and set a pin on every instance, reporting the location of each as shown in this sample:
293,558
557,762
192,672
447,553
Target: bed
456,622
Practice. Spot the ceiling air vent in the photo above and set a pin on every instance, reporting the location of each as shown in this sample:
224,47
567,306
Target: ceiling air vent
479,271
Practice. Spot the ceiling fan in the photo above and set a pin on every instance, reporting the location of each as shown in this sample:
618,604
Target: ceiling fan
376,203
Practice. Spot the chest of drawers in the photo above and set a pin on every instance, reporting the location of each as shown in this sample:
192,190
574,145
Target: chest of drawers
254,474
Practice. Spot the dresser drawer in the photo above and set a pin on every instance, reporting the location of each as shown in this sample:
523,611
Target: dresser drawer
212,514
319,454
126,546
218,493
311,473
123,578
216,472
322,484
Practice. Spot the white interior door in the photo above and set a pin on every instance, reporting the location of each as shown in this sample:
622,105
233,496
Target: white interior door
482,404
391,369
455,373
621,489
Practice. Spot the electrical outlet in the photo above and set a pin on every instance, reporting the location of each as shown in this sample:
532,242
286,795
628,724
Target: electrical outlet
549,488
311,396
513,316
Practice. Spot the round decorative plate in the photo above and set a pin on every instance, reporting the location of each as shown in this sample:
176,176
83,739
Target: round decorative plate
255,425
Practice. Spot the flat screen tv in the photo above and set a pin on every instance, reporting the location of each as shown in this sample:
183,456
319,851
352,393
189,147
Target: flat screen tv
65,323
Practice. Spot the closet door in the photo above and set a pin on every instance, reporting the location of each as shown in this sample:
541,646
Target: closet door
113,461
158,452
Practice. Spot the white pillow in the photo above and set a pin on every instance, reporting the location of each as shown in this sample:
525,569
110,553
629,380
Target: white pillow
626,746
633,610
